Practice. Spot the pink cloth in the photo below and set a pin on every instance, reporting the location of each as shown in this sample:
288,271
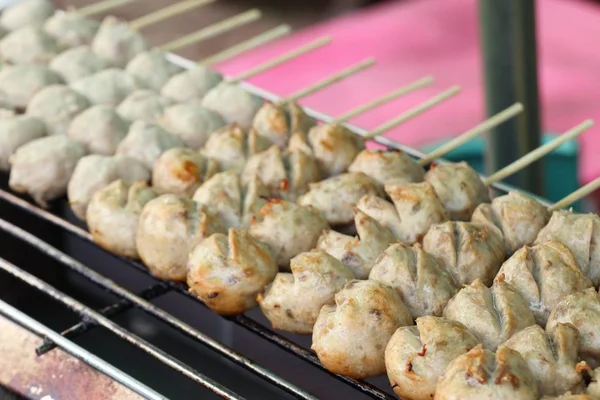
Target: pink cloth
441,37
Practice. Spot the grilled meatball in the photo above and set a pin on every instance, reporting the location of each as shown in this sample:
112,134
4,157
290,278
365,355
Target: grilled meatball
233,102
169,228
492,314
481,374
192,123
357,253
26,13
422,283
28,45
552,357
143,105
192,85
146,142
350,337
109,87
95,172
468,251
581,234
227,271
416,356
543,275
381,211
516,217
336,197
231,147
57,106
293,301
43,167
459,188
593,388
335,147
16,131
181,171
99,128
152,68
388,167
113,214
582,309
276,122
21,82
117,43
71,29
226,198
76,63
288,229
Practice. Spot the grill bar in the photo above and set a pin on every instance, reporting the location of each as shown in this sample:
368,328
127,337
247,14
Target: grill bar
78,352
151,308
82,327
122,333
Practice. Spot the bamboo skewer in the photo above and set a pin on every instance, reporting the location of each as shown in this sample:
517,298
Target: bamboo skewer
576,195
454,90
538,153
259,69
101,6
166,12
249,44
213,30
483,127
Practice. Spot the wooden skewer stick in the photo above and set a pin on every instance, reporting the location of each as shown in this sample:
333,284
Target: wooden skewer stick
411,87
249,44
337,77
259,69
166,12
538,153
576,195
101,6
483,127
213,30
434,101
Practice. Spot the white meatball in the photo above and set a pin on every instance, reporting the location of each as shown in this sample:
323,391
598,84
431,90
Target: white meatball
94,172
181,171
16,131
28,45
192,123
43,167
57,105
493,314
543,275
99,128
21,82
113,214
146,142
335,147
25,13
169,228
277,122
143,105
191,85
293,301
481,374
288,229
71,29
350,337
109,87
357,253
227,271
76,63
416,356
234,103
117,43
152,68
388,167
381,211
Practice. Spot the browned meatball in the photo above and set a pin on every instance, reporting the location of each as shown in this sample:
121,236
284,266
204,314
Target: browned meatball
277,122
181,171
231,147
335,147
388,167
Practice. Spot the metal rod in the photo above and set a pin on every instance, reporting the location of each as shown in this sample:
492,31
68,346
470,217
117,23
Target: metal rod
78,352
112,310
122,333
151,309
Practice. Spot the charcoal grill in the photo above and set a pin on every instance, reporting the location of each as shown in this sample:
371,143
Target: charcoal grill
147,338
